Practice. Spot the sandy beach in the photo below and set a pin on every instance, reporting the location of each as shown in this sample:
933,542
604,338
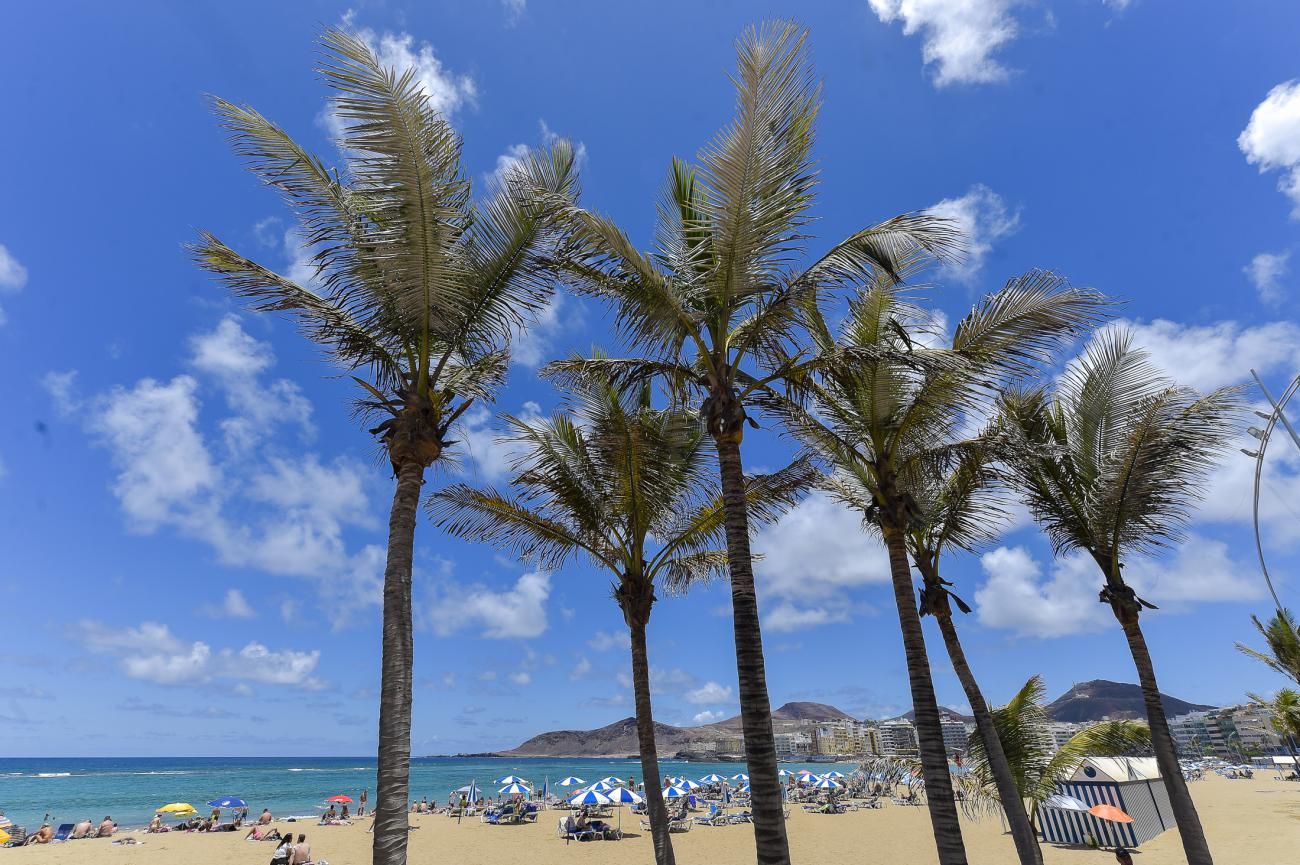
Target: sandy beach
1253,822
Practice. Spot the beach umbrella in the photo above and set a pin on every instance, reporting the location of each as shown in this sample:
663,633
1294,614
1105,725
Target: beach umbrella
827,784
589,797
1063,802
340,799
228,802
571,781
620,796
783,774
4,837
688,784
612,780
675,792
715,778
511,779
743,788
740,776
833,775
513,789
177,808
602,786
1111,813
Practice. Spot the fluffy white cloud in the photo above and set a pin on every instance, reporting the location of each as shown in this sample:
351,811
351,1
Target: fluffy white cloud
13,276
514,154
447,92
983,218
710,693
153,653
1016,597
785,617
233,606
560,317
817,549
1118,5
61,386
517,612
708,717
490,454
959,37
1266,272
605,641
1200,570
1218,354
1271,139
581,669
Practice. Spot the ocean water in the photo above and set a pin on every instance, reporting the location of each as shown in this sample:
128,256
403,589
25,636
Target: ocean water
129,789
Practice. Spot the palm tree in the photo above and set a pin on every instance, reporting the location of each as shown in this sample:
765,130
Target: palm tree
628,486
1112,465
1036,764
1282,637
417,288
884,410
719,299
1285,721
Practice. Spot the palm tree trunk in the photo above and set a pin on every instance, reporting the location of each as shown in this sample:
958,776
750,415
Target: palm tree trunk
1195,847
391,828
929,734
770,840
645,736
1022,832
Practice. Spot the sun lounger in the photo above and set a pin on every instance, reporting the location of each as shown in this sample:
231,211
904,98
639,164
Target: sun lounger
568,830
715,817
64,831
682,825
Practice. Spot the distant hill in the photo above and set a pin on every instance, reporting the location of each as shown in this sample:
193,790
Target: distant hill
943,710
1098,699
796,712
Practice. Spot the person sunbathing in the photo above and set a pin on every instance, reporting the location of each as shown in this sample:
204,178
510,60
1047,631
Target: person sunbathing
155,825
257,834
265,818
41,836
82,829
106,828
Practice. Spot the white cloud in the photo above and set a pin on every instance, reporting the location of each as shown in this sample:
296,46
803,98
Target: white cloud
1118,5
233,606
153,653
604,641
959,37
1213,355
447,92
514,10
710,693
1198,571
491,455
708,717
817,549
514,154
560,317
1016,598
983,218
13,276
61,386
521,678
785,617
581,669
519,611
1266,271
1271,139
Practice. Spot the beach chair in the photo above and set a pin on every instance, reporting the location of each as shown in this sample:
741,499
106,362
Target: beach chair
568,830
715,817
64,831
682,825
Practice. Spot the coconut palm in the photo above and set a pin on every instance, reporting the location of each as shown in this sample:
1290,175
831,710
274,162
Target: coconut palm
884,404
629,487
1112,465
1282,637
719,298
1036,763
416,288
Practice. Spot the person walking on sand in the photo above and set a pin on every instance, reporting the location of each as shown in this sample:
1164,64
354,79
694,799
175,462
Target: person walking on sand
361,812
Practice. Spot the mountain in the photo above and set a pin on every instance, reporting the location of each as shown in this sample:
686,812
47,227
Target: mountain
614,740
1098,699
943,710
795,712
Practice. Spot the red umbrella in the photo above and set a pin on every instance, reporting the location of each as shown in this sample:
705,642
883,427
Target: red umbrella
341,799
1111,813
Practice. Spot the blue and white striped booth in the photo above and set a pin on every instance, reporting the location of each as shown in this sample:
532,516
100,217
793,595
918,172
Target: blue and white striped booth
1131,784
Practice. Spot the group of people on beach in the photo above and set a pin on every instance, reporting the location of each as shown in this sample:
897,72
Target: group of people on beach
84,829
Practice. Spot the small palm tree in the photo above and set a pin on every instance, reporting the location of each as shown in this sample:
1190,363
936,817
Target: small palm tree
1036,764
1284,710
417,288
719,300
628,486
884,409
1282,637
1111,465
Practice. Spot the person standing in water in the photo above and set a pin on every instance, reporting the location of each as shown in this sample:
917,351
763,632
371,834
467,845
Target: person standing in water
361,811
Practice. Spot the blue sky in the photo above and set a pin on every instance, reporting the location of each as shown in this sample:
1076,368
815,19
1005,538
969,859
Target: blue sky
192,526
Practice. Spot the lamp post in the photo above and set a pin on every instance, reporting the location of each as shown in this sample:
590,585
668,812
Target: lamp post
1271,420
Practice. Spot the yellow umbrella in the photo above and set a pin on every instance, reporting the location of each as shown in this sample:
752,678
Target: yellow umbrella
4,837
177,808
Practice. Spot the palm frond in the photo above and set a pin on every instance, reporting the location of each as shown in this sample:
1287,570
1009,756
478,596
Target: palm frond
1282,638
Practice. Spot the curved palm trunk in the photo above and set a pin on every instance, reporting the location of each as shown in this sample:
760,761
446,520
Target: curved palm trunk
1022,832
770,840
645,736
929,734
391,828
1195,847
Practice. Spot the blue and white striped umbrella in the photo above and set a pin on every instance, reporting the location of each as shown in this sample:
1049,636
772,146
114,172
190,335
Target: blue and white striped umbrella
675,793
511,779
612,780
513,789
783,774
589,797
740,776
621,795
827,784
715,778
571,781
688,784
602,786
743,788
674,779
833,774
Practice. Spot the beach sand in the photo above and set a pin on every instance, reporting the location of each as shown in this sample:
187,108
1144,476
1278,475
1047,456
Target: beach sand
1253,822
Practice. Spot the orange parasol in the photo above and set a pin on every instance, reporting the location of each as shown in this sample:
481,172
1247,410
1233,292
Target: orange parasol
1111,813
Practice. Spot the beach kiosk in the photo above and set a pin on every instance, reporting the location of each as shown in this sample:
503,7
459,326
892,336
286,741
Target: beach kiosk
1132,784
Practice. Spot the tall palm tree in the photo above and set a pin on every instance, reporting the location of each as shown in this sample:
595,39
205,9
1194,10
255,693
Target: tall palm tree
1284,708
1036,763
1282,637
718,299
884,410
417,288
1112,465
627,485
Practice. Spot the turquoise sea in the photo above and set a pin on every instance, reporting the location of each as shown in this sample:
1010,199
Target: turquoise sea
70,789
